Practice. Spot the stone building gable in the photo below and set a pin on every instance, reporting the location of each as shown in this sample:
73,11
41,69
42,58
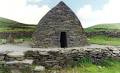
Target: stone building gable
60,26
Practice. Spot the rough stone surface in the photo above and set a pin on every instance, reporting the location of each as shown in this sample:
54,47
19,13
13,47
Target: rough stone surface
2,56
61,57
19,66
15,56
60,19
66,57
26,61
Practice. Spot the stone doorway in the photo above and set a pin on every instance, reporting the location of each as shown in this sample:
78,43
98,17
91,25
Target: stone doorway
63,40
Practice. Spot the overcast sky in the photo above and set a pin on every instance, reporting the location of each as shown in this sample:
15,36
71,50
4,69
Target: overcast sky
90,12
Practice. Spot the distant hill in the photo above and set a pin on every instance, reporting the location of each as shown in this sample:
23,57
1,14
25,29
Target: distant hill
104,27
7,25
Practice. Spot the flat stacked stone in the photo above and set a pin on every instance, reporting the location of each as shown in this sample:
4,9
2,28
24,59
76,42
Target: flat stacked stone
15,56
18,66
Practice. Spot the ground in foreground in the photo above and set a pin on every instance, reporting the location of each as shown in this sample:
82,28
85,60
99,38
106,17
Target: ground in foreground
108,66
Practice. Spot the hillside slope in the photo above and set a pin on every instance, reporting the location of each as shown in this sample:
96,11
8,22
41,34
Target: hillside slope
7,25
104,27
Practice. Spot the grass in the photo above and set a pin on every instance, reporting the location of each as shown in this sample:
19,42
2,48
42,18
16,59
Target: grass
85,65
3,68
109,66
91,68
104,40
101,39
16,30
104,27
7,25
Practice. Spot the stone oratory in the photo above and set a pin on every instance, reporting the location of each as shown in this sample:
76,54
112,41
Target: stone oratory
59,28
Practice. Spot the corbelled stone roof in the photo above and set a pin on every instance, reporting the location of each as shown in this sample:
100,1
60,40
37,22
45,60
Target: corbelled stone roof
61,12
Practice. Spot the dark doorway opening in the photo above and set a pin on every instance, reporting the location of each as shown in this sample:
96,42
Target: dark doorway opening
63,40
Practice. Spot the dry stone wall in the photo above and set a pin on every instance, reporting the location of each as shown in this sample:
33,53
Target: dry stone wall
59,58
63,58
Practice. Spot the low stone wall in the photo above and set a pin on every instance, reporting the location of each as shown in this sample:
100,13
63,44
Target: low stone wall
15,34
63,58
106,33
56,58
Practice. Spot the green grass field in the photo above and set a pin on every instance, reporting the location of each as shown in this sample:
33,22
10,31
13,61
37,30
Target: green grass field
104,40
91,68
7,25
86,66
101,39
104,27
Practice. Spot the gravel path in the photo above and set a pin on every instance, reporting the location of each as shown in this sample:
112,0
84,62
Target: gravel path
25,46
